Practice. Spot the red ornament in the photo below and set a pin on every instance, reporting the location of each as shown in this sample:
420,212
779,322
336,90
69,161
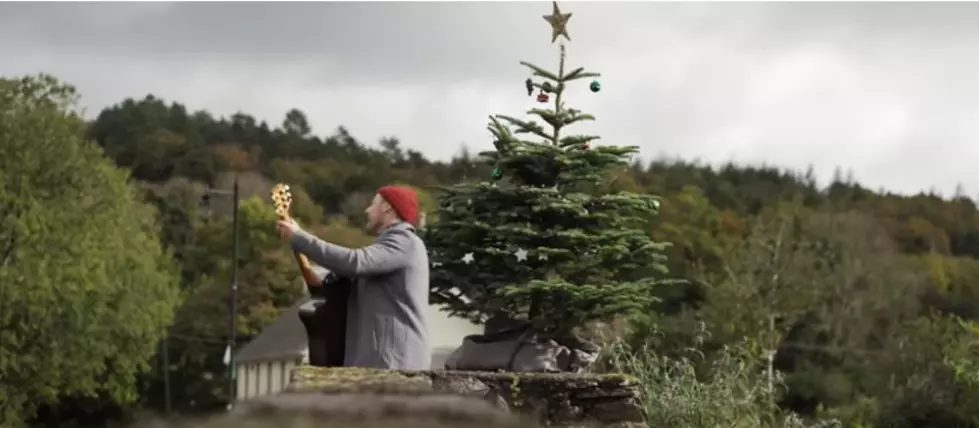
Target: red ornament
542,97
586,147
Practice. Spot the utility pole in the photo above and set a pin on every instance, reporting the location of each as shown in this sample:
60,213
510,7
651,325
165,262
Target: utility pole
166,373
233,304
232,285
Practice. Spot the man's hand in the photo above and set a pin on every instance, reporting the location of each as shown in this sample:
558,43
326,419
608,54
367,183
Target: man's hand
287,228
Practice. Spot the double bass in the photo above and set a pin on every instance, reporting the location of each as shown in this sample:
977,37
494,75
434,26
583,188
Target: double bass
324,315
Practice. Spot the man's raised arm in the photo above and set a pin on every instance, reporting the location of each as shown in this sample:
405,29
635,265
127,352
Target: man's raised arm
387,254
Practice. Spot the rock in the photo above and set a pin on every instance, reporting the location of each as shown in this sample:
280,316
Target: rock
566,413
370,409
355,410
460,385
618,411
355,380
511,345
558,399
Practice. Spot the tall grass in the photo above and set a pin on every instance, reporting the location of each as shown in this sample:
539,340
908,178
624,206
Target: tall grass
730,388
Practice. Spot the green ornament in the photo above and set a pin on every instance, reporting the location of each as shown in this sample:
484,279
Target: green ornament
595,86
546,87
497,173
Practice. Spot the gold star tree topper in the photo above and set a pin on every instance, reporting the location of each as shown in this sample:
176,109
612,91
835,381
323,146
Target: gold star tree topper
559,23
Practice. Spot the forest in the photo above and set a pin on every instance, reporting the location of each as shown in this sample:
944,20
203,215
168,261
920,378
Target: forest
796,303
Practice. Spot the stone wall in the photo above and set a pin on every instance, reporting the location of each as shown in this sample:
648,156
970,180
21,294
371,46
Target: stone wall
548,399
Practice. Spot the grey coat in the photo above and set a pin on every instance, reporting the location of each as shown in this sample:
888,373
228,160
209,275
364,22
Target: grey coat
386,325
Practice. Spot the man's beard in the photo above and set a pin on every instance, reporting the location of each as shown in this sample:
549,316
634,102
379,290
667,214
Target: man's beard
372,225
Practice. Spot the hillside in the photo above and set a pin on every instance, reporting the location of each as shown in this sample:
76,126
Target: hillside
723,222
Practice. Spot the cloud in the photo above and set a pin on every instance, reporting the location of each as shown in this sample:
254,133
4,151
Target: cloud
885,89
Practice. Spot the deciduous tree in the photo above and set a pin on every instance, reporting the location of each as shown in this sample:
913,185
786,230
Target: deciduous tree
85,289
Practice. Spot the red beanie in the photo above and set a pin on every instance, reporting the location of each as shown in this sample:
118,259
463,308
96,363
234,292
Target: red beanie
403,200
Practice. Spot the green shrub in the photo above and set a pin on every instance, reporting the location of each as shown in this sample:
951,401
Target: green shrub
730,388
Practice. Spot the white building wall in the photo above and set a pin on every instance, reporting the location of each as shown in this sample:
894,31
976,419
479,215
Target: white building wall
241,379
286,375
264,378
262,374
275,376
447,332
252,370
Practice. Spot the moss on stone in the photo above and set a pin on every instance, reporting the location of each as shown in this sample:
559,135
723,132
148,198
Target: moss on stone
348,379
316,375
550,397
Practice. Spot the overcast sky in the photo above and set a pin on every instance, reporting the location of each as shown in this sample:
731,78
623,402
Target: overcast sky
888,90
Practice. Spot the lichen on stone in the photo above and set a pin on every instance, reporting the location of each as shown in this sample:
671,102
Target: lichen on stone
551,398
356,380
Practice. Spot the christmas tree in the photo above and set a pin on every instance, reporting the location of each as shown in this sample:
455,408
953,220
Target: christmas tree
540,241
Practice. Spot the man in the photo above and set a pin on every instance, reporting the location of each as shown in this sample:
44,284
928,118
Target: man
386,326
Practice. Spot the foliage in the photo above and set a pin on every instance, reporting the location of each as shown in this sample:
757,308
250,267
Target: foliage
837,358
811,274
268,281
85,288
910,383
587,255
836,307
692,390
965,364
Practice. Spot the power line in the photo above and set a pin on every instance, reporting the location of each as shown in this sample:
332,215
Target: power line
197,339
